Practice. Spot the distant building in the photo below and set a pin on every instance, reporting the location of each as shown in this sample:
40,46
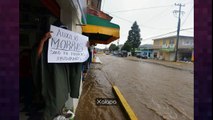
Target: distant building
146,50
164,48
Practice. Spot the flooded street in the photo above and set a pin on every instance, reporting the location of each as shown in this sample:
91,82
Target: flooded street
153,91
96,85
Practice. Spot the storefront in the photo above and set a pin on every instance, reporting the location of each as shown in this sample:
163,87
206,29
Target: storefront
185,54
36,16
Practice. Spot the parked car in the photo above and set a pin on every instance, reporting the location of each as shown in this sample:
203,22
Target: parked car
115,53
122,53
138,55
144,56
107,53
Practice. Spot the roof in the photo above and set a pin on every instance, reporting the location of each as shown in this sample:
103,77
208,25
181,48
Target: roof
146,46
181,36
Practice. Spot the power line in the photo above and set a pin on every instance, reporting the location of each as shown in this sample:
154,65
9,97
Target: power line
142,25
189,31
167,33
152,18
140,9
187,16
121,18
149,27
161,13
144,8
186,29
131,22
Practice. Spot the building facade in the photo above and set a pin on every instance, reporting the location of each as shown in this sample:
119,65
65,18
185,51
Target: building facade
164,48
146,50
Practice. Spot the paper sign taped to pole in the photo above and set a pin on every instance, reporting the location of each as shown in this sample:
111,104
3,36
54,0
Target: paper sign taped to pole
66,46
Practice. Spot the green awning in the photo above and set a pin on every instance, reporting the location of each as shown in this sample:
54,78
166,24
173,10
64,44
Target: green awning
100,30
95,20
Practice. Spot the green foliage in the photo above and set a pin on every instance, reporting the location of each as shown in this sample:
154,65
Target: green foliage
117,48
126,47
134,38
113,47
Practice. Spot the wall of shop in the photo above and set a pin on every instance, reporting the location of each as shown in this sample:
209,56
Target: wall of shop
71,17
172,56
166,56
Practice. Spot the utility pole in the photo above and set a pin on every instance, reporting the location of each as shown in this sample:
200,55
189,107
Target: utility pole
178,28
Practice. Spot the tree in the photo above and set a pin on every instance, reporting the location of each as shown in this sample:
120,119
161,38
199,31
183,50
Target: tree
134,38
113,47
126,47
116,48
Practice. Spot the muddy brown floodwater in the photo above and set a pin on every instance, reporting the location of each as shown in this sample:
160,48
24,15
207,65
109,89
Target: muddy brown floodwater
154,92
96,86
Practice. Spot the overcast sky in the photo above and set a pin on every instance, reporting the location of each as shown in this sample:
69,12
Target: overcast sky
154,17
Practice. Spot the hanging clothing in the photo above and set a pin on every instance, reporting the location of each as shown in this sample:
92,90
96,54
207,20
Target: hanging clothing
58,79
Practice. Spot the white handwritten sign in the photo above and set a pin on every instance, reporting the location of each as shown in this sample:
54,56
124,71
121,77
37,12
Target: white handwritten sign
66,46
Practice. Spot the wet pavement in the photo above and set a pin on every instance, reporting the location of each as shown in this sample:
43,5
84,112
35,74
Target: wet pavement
96,85
155,91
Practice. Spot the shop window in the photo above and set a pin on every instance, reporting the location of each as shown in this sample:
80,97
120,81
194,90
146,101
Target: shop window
187,42
171,42
164,42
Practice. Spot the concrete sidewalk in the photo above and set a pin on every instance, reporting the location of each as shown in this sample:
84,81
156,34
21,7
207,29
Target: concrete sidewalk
96,60
187,66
